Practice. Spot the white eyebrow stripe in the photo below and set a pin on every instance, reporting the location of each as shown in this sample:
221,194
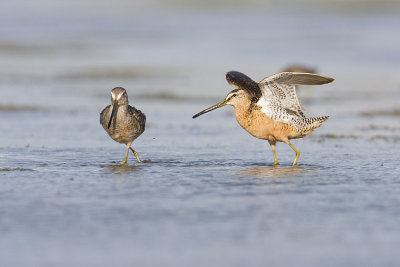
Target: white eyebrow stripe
120,95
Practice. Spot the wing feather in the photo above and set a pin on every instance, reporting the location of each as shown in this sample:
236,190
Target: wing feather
280,88
299,78
279,100
239,80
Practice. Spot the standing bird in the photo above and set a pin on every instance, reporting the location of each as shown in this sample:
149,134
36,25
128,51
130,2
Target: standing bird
122,122
270,109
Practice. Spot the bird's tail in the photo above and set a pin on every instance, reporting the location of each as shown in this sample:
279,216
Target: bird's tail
312,123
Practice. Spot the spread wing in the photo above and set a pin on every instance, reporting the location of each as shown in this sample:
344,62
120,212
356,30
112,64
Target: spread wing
279,94
239,80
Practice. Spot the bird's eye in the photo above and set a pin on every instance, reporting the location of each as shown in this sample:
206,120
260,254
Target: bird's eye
234,95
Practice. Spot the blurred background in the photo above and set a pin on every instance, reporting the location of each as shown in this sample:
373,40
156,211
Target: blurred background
198,200
70,54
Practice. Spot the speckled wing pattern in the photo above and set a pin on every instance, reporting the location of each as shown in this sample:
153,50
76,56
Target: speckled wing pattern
103,115
137,119
279,100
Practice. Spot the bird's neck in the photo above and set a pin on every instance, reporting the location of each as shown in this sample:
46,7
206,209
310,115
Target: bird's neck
243,107
243,110
122,109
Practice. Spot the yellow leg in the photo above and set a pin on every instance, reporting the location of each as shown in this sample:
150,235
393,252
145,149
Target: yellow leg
275,158
125,160
297,154
272,144
136,155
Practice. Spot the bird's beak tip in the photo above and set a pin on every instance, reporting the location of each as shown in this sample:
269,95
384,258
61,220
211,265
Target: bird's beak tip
220,104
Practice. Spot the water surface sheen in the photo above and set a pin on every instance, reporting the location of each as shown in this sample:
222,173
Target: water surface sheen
199,203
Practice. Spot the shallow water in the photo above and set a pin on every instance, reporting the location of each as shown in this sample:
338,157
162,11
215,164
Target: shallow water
206,193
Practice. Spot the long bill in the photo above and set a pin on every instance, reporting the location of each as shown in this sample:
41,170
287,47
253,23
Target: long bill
220,104
113,112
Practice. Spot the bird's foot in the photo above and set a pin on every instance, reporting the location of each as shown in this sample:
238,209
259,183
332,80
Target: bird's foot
136,155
